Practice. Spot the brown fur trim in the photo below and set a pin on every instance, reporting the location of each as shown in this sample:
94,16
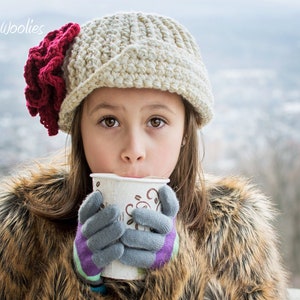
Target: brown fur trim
235,258
240,242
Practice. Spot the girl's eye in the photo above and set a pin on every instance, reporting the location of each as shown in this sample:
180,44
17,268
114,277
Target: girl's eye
156,122
109,122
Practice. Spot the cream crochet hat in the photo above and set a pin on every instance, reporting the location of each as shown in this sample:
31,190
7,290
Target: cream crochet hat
137,50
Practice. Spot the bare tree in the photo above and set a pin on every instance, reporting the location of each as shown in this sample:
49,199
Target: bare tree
275,166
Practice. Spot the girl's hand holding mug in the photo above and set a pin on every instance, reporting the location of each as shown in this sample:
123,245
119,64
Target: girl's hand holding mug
152,249
97,239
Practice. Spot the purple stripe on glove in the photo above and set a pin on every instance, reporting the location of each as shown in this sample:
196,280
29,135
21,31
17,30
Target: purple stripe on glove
165,253
85,254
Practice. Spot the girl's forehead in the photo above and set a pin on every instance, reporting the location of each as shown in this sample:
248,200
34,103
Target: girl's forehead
120,92
116,98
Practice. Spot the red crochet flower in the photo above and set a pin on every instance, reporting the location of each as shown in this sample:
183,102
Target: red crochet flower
46,89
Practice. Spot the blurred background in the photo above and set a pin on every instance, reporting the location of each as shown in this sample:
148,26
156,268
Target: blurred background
252,53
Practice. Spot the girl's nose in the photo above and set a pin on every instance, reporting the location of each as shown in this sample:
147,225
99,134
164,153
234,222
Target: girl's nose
134,148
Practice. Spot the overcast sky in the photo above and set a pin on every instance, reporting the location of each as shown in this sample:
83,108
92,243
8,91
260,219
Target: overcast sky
12,9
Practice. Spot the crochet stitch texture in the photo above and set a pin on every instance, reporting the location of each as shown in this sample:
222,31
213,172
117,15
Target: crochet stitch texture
45,88
135,50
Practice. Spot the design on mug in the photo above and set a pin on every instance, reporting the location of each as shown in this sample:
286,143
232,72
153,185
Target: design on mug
150,201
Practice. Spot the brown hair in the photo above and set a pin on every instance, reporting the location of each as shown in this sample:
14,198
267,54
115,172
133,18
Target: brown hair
186,179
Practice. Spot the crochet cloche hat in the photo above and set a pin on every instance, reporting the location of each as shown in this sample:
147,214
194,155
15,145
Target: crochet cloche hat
128,50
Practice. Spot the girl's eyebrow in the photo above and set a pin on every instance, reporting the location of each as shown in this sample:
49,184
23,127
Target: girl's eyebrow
105,105
158,107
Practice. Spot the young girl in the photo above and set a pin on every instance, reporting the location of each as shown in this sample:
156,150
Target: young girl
132,91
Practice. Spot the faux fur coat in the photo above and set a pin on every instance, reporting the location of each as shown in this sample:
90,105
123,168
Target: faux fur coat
235,258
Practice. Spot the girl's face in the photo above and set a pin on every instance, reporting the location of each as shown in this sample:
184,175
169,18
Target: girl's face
132,132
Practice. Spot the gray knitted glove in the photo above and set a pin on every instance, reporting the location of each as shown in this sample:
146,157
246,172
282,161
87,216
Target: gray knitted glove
97,238
152,249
